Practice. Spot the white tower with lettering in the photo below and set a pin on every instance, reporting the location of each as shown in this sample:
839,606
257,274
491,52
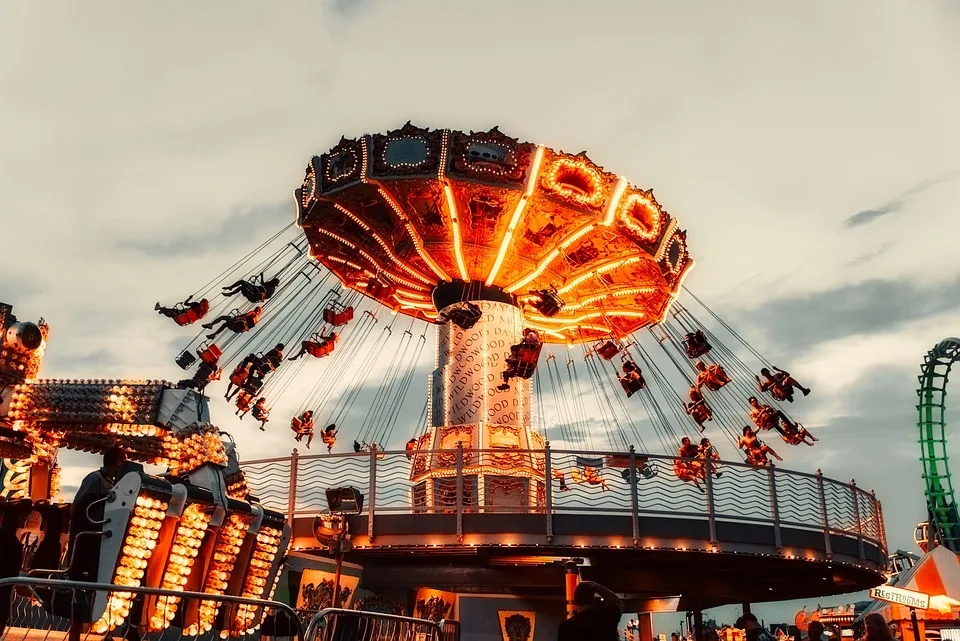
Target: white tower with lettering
475,427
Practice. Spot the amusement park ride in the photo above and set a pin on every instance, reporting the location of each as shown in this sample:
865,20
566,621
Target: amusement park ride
553,287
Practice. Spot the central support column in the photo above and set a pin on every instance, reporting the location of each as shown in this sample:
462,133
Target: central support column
467,408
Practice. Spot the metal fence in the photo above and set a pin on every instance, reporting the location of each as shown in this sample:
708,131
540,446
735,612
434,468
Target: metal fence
336,624
47,609
734,493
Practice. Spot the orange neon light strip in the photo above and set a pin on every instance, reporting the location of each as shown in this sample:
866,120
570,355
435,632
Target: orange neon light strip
579,319
616,293
615,201
455,224
517,212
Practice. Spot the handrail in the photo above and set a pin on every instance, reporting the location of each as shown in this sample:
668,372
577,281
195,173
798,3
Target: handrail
83,586
739,493
316,622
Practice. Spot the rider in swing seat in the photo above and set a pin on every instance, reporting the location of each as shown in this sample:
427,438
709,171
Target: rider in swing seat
698,409
687,466
239,376
318,345
632,378
185,313
207,372
261,412
695,344
303,426
780,384
255,290
711,376
755,449
709,452
269,361
329,436
244,402
235,322
764,416
522,360
795,433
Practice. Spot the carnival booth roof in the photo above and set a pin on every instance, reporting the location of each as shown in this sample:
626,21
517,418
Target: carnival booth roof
937,573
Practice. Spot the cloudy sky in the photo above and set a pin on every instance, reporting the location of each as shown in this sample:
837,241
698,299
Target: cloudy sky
809,148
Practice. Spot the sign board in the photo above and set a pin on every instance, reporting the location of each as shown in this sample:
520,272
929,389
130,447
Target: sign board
909,598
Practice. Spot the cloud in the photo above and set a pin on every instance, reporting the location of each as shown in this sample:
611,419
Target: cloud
348,9
253,224
794,325
868,216
865,258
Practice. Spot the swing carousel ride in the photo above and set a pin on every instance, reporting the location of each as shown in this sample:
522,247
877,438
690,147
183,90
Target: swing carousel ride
554,289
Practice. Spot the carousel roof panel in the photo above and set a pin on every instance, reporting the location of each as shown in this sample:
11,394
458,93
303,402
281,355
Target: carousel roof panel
395,214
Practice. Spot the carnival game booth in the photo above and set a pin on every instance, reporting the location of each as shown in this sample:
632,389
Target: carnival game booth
937,575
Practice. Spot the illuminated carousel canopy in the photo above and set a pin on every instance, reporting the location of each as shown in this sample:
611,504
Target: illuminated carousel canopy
395,215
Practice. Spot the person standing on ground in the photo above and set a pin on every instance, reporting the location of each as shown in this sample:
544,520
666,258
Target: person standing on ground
597,616
751,626
876,628
814,631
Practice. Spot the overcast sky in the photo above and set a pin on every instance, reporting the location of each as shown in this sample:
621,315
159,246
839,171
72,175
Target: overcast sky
810,149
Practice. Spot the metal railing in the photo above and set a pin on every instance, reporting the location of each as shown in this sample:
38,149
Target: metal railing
338,624
48,608
732,492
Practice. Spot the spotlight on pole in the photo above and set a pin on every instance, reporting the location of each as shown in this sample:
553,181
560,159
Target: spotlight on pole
345,501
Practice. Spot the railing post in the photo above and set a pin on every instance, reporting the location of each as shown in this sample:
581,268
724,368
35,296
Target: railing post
372,490
823,515
856,515
634,498
292,488
548,489
711,508
775,507
460,491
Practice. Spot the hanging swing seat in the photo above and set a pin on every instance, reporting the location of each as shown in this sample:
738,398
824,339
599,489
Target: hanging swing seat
608,349
337,315
695,344
321,349
209,352
548,302
185,359
192,313
252,385
379,290
466,315
622,462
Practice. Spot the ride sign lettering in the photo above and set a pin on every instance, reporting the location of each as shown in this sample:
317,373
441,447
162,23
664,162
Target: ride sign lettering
909,598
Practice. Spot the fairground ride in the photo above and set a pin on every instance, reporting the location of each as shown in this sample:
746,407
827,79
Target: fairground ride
554,289
943,525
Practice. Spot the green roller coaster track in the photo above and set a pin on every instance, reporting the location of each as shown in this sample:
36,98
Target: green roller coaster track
941,505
